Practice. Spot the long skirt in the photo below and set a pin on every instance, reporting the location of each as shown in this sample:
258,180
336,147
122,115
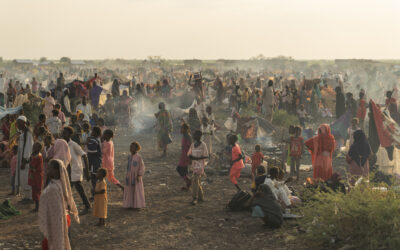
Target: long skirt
322,167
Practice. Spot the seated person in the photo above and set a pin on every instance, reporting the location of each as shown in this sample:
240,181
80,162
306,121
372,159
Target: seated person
265,206
279,188
260,178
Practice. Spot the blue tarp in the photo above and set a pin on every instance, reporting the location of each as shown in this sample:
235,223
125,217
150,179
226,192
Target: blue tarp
9,111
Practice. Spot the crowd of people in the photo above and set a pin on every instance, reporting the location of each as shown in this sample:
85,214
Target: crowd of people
72,140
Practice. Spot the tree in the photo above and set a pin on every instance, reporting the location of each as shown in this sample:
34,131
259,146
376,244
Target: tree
43,59
65,60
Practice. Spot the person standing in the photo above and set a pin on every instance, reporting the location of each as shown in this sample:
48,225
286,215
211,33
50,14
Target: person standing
49,103
66,104
56,207
134,189
115,88
165,128
340,103
25,145
11,94
35,85
108,157
358,157
100,197
94,154
322,147
85,108
198,153
236,161
35,179
268,100
362,110
95,93
184,160
79,166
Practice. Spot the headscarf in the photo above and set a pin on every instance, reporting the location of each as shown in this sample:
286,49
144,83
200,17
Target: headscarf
360,150
51,205
60,151
317,143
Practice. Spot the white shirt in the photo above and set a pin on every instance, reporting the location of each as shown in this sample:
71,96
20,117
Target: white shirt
86,110
76,161
67,104
54,124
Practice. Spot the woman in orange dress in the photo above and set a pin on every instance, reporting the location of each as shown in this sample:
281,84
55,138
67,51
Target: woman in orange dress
321,148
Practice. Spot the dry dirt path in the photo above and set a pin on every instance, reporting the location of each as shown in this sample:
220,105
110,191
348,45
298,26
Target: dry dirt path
168,222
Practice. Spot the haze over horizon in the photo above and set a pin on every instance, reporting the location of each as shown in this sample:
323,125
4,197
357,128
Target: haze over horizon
209,29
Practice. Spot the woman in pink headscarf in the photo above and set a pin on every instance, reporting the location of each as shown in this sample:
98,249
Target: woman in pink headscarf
321,148
60,151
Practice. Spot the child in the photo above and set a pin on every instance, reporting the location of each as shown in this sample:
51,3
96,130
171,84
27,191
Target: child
76,137
100,197
134,190
101,124
13,167
258,102
85,134
260,178
207,133
296,151
302,115
353,128
256,160
35,178
108,157
41,133
54,124
61,115
182,167
94,154
236,161
197,153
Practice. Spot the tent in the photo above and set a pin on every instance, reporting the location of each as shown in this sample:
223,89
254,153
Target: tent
254,127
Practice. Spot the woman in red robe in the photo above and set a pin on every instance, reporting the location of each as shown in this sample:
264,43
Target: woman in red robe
321,148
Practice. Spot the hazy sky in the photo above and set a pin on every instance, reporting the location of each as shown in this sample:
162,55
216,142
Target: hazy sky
204,29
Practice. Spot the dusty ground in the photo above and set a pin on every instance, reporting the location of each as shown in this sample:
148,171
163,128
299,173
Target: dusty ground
168,222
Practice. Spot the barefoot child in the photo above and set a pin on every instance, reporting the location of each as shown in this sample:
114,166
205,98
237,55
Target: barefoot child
134,190
296,151
35,179
100,197
256,160
182,167
108,157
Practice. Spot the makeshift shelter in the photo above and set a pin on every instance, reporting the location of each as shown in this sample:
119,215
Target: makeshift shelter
254,127
9,111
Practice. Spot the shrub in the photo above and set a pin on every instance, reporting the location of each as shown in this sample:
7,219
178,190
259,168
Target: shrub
283,119
362,219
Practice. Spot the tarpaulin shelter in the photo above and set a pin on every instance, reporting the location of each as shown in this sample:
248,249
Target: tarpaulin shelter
9,111
253,127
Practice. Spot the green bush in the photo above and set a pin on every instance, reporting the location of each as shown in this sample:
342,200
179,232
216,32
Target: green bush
283,119
362,219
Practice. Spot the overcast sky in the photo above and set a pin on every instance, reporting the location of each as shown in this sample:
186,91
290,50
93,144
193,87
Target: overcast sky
204,29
